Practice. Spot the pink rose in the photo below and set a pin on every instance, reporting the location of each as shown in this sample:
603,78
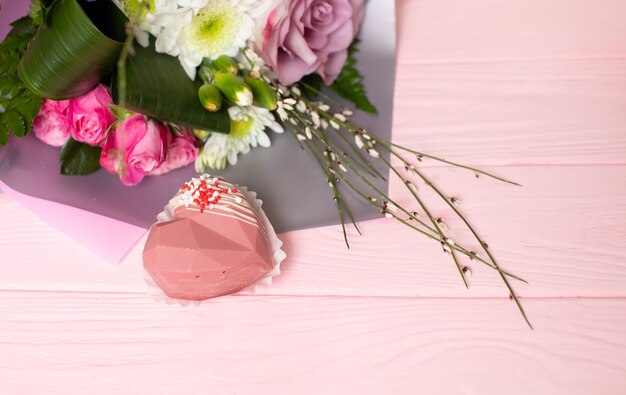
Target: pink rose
90,116
50,125
136,147
306,36
182,151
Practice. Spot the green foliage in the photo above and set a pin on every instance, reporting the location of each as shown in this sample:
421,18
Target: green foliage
349,84
19,105
78,159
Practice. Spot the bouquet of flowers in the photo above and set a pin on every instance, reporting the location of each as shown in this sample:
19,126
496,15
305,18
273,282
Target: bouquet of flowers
145,87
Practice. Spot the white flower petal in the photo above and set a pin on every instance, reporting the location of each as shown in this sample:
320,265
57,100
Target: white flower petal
189,68
232,158
250,132
142,37
276,127
193,3
264,140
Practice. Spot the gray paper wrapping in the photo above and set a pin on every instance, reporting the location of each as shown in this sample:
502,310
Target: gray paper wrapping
287,179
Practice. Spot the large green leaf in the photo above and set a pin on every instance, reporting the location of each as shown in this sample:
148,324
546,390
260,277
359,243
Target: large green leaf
78,159
157,85
78,44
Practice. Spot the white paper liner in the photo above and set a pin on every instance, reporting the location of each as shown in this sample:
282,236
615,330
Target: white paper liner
278,255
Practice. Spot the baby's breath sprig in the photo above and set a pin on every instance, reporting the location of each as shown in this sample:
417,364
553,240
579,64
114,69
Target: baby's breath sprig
325,134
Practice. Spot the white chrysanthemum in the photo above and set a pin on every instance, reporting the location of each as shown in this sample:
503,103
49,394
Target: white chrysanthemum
222,27
166,27
196,29
248,126
219,150
149,14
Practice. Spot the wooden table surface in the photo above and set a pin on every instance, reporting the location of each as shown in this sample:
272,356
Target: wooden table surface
532,90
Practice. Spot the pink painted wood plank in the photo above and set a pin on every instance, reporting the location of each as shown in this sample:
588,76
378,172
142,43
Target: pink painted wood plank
563,231
124,343
457,30
524,82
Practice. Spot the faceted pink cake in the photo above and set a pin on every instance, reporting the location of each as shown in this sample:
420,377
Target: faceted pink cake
214,244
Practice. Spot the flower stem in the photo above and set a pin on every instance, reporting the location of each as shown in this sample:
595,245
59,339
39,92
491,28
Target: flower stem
471,229
431,236
328,147
363,163
333,184
386,197
424,155
127,48
444,239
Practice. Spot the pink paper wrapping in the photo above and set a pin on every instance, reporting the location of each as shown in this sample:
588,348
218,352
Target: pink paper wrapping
108,238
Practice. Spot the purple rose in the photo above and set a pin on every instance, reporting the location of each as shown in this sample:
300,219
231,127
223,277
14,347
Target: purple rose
306,36
50,125
89,116
136,147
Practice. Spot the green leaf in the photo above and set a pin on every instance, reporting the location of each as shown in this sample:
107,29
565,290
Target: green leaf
5,85
349,84
14,123
77,46
120,112
28,106
15,90
311,85
78,159
22,29
4,137
157,86
19,106
37,12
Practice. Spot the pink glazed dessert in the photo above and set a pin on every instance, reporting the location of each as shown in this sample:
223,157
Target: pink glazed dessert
211,241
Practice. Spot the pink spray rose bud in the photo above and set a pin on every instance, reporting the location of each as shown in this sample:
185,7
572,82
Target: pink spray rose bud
135,147
51,125
90,116
306,36
182,151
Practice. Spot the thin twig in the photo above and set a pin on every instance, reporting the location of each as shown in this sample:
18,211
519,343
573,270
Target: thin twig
444,239
471,229
386,197
424,155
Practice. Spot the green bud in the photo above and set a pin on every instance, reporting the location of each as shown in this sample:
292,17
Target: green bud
138,8
233,88
206,73
210,97
201,134
264,95
226,64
